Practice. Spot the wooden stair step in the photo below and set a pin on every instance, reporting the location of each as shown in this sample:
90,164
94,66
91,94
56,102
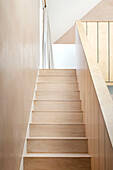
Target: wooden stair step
57,105
57,144
57,117
59,161
57,72
57,130
62,95
61,79
57,87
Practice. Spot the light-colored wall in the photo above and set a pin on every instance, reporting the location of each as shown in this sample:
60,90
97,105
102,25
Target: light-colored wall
68,37
63,14
64,56
19,52
102,12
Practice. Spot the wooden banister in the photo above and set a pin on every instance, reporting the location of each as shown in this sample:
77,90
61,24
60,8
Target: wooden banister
97,104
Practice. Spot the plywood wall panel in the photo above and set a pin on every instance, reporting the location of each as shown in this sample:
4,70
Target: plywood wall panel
101,141
19,61
108,152
99,145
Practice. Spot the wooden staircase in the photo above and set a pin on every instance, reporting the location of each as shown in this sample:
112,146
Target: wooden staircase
57,138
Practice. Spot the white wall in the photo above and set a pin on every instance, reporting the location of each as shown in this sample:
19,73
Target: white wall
64,56
64,13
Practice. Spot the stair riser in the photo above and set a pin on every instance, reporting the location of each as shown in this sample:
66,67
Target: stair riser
57,87
57,95
57,79
57,72
57,117
57,163
57,146
44,130
57,106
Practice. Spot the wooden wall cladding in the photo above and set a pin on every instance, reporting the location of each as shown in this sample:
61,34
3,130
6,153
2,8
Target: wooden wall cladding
100,35
99,143
19,52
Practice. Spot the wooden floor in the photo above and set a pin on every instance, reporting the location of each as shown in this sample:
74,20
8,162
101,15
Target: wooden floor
57,139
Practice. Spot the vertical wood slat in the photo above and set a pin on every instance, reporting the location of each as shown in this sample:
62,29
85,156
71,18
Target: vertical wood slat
103,48
84,25
108,152
101,40
101,142
111,51
92,35
97,42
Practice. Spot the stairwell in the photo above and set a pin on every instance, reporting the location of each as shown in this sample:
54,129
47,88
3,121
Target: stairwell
57,139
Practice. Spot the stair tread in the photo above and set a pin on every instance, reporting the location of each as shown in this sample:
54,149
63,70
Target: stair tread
70,155
61,75
57,83
37,91
79,111
54,123
58,69
32,123
61,138
57,100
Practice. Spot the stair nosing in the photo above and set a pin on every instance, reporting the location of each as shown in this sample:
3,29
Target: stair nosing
39,82
57,75
33,123
58,91
36,100
57,138
55,83
61,111
62,155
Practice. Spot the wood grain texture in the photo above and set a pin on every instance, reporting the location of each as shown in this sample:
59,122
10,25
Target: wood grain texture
97,106
101,40
67,145
54,72
57,87
111,51
62,95
103,48
19,61
57,106
57,163
92,35
57,130
57,79
57,117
